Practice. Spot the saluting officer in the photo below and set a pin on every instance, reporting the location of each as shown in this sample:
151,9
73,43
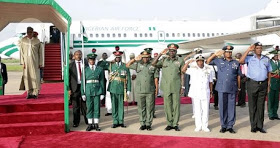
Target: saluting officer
172,84
145,89
227,86
93,91
119,87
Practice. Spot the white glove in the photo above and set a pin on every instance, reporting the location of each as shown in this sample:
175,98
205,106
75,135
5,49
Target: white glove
128,92
101,97
84,97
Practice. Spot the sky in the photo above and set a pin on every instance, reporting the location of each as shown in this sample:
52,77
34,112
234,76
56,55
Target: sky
206,10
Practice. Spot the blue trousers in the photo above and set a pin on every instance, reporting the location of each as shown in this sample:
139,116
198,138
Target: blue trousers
227,109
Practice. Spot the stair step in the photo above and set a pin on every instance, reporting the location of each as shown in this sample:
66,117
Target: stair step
29,107
28,117
25,129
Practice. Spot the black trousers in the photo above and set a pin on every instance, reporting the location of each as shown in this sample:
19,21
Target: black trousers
242,93
257,92
78,106
215,94
104,100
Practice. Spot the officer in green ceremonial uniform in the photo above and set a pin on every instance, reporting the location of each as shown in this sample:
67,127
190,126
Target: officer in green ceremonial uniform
92,90
172,84
145,88
119,87
273,96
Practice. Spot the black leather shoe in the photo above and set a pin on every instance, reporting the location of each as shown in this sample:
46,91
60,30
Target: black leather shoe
114,126
216,107
231,130
143,127
154,116
243,105
168,128
254,130
75,125
177,128
238,105
276,118
35,97
261,130
149,128
28,97
223,130
97,128
271,118
108,114
122,125
90,127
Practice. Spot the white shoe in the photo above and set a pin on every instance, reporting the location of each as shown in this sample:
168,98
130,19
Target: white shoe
206,129
193,116
197,129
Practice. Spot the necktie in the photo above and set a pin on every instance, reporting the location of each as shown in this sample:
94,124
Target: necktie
80,70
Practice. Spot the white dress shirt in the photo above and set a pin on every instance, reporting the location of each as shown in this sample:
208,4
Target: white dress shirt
78,73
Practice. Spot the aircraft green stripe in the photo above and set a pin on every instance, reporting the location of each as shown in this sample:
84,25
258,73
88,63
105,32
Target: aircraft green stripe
6,47
111,45
127,41
9,53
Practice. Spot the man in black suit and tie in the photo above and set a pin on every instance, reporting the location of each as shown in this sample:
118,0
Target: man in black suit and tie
75,77
3,77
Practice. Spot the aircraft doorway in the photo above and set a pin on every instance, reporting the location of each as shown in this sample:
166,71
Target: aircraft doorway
161,36
54,35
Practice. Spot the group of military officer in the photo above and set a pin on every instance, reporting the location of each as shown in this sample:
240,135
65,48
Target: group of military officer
172,85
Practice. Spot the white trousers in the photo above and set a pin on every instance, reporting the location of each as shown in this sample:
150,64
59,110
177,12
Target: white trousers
201,112
108,101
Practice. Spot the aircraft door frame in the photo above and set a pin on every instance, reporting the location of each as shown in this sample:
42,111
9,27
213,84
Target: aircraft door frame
161,36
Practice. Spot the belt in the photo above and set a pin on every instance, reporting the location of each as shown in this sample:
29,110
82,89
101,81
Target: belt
119,79
92,81
259,82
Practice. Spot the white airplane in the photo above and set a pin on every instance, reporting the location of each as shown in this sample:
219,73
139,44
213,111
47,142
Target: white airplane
134,36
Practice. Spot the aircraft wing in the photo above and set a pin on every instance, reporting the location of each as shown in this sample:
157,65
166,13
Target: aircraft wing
235,36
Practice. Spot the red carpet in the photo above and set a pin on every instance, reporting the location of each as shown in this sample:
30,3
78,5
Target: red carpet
45,115
106,140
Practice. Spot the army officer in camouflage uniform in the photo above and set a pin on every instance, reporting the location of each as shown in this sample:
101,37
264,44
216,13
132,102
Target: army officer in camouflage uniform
145,88
92,92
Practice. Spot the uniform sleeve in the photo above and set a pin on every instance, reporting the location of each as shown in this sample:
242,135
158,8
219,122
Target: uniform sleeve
214,61
102,80
211,75
133,66
82,84
156,74
128,82
160,63
247,59
269,68
239,70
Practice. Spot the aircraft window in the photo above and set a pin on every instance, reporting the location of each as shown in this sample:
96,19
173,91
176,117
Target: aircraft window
124,35
79,35
160,35
141,35
198,34
97,35
217,34
178,34
213,34
108,35
119,35
91,35
208,34
135,35
114,35
74,35
203,34
151,35
184,34
193,34
167,35
222,33
173,34
189,35
146,35
102,35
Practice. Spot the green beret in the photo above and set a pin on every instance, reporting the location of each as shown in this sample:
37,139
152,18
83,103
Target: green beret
91,56
149,50
172,46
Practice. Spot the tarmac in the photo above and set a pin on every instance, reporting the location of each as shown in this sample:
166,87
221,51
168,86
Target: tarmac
186,124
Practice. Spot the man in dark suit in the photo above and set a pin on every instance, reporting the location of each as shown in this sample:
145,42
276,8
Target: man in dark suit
75,77
3,77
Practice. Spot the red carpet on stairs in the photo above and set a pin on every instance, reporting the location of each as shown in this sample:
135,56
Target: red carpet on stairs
108,140
45,115
52,69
